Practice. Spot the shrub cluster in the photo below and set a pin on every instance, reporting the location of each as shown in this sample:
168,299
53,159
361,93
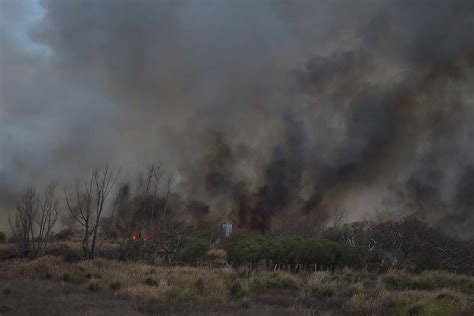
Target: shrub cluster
132,250
191,250
292,250
408,243
194,249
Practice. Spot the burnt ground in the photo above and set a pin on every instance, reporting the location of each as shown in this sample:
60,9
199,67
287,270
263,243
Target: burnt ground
47,297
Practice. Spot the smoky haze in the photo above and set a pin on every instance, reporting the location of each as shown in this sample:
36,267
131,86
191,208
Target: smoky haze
271,114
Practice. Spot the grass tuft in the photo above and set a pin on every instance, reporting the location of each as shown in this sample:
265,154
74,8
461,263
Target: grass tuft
94,286
115,286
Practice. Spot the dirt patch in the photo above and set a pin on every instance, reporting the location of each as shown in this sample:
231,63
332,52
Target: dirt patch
43,297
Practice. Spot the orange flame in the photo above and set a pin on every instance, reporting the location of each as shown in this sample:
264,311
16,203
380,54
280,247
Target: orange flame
134,236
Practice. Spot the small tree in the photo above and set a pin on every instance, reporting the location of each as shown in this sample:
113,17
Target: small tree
34,220
46,219
88,203
145,211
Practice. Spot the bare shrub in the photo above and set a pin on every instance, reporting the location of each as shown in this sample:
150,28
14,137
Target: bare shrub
407,243
34,220
8,251
64,234
217,254
145,212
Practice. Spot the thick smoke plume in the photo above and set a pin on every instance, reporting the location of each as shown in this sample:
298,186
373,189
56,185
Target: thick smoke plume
272,114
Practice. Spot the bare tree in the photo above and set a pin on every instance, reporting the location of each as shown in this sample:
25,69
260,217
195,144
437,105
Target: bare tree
147,197
46,219
145,212
104,181
81,211
89,201
34,220
22,222
166,233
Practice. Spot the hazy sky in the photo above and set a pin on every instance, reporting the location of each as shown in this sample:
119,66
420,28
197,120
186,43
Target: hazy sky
299,106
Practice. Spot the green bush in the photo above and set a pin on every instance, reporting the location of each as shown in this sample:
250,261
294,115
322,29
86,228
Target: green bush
440,305
354,276
284,249
321,290
348,256
133,249
247,249
320,252
294,250
272,280
194,249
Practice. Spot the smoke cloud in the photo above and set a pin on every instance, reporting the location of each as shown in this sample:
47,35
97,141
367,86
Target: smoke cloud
271,114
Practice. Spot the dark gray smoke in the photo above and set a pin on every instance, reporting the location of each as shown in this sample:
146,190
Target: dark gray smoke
271,113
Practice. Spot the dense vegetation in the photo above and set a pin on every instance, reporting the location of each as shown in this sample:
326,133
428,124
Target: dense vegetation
144,223
293,251
145,253
407,244
352,269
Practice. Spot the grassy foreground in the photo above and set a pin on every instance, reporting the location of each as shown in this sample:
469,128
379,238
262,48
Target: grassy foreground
341,292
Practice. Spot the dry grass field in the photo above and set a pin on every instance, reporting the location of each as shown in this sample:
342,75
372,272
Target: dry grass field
51,285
